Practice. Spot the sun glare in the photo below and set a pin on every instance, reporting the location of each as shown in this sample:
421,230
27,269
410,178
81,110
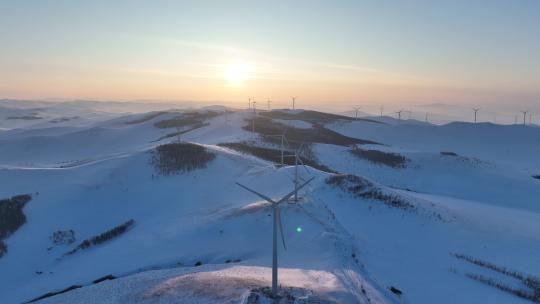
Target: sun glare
237,72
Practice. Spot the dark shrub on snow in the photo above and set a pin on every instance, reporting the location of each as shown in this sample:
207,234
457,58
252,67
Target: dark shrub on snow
448,153
11,217
63,237
531,284
105,236
316,134
176,158
312,116
393,160
145,118
536,176
186,119
3,248
363,188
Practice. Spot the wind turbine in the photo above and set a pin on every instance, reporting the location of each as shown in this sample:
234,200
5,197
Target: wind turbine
276,223
249,103
268,101
399,114
293,101
524,116
382,109
356,109
254,115
475,110
297,161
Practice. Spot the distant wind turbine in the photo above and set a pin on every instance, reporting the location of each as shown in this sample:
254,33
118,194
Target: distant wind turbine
293,101
382,109
268,102
276,225
524,116
475,110
399,114
297,161
254,116
356,109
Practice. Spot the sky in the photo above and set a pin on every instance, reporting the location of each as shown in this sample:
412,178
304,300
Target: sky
329,53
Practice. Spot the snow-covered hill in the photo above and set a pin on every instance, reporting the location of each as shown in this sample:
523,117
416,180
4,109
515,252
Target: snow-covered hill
401,222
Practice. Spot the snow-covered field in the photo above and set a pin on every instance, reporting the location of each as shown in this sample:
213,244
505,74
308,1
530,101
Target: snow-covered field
430,229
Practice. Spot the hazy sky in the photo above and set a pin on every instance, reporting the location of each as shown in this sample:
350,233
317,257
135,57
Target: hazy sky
331,52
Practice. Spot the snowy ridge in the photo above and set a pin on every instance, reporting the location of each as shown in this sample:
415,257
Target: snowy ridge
342,248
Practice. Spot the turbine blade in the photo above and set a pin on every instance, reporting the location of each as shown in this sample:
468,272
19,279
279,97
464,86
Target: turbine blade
289,195
281,227
257,193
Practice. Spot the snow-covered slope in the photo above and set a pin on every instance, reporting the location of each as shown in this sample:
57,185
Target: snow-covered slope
400,239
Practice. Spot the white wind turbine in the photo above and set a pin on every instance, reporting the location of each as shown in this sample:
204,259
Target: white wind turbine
399,114
254,115
524,116
276,224
475,110
356,109
297,161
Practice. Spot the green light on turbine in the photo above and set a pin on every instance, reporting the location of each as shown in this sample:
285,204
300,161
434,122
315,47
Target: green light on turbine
298,229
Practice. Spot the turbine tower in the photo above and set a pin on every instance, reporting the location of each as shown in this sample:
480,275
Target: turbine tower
399,114
276,225
293,101
382,109
475,110
254,116
268,101
356,109
524,116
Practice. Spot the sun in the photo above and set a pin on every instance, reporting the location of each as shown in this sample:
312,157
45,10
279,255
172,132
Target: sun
237,72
